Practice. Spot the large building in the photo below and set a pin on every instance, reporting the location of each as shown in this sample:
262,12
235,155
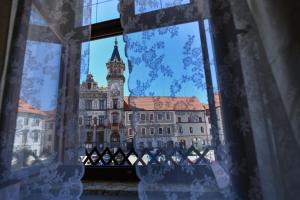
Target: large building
110,119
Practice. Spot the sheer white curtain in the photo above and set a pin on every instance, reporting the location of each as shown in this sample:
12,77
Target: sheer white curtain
172,72
40,140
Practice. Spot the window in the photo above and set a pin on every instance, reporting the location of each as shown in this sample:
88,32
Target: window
151,116
115,118
101,104
143,117
36,122
95,120
88,104
200,119
160,130
35,136
180,130
179,119
130,117
89,86
115,103
148,6
169,130
143,131
203,142
104,10
24,137
49,138
159,116
129,132
26,121
191,129
151,131
189,119
202,129
87,120
168,116
101,119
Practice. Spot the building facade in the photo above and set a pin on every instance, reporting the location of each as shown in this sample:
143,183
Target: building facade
110,119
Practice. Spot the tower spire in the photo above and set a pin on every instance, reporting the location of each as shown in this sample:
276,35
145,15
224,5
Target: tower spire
116,41
115,54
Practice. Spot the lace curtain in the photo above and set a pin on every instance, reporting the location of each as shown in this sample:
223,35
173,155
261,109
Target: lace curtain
39,133
173,72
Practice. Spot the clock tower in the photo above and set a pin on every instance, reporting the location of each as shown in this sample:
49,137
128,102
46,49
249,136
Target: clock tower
115,98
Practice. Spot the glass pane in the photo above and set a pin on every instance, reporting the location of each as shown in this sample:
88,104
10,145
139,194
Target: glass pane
142,6
104,10
172,56
102,94
34,138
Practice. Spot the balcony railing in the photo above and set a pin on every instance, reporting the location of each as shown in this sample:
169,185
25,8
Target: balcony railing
162,156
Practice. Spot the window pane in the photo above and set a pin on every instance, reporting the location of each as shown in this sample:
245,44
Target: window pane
104,10
142,6
37,103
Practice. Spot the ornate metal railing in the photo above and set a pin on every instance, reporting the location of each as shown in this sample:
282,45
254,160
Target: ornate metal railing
163,156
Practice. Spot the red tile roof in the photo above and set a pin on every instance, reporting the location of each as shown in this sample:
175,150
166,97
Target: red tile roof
25,107
163,103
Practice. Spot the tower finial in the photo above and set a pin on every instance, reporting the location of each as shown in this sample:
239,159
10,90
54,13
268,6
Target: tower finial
116,41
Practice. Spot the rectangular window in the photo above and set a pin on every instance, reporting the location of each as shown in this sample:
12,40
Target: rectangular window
202,129
101,119
115,118
35,136
159,116
180,130
101,104
143,117
26,121
151,117
130,132
36,122
115,103
169,130
142,6
129,117
104,10
191,129
24,137
143,131
160,130
189,119
200,119
88,104
87,120
151,131
168,116
179,119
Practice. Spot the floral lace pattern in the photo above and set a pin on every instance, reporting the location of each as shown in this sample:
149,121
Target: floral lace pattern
46,60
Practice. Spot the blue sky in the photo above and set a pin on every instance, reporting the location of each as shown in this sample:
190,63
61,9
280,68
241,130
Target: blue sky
173,56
